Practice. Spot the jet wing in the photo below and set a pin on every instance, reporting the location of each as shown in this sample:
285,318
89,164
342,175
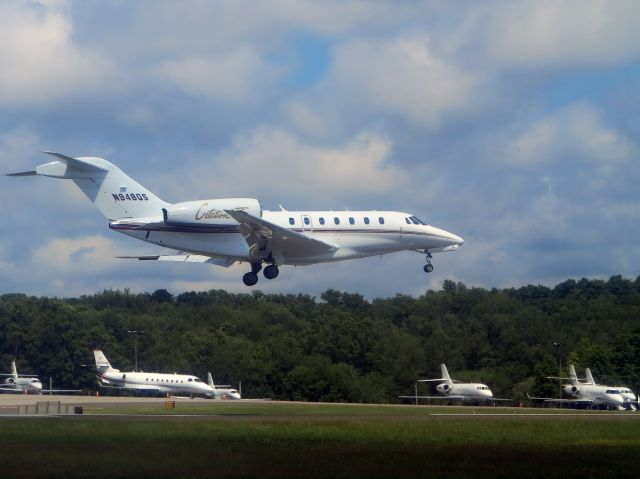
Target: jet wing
561,401
457,397
185,258
11,391
61,390
134,387
263,237
429,397
445,398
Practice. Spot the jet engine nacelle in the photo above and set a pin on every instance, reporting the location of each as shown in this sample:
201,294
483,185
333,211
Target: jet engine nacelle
572,390
208,212
443,388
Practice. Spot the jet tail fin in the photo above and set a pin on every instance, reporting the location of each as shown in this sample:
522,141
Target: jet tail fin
210,381
445,373
589,376
111,190
573,377
14,371
102,363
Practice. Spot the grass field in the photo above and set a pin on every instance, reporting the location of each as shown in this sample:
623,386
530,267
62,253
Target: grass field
286,441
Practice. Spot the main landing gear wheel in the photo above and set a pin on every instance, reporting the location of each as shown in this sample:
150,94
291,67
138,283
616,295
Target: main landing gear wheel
271,271
250,279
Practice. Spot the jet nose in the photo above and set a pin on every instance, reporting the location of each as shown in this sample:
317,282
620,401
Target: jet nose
457,239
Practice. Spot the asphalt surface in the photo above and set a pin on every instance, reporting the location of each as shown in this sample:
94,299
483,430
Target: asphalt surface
10,407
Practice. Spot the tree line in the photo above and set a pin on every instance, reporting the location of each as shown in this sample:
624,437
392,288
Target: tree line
339,347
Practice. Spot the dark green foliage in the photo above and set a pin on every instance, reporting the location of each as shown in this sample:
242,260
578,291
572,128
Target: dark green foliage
341,347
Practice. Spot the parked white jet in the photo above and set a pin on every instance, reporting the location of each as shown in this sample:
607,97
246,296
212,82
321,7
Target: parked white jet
223,391
630,399
223,231
586,394
26,384
149,382
452,389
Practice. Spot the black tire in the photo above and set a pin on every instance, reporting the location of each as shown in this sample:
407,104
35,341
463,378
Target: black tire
271,271
428,268
250,279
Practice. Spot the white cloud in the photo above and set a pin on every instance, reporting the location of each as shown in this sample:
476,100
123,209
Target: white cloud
575,132
235,76
401,77
534,34
84,255
17,146
39,61
269,158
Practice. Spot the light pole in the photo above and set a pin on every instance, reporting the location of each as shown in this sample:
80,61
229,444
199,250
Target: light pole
135,345
558,346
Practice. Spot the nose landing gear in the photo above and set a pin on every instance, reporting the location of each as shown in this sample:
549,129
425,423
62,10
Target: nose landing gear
428,268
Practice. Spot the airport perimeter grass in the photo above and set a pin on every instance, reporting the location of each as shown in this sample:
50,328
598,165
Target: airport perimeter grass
326,441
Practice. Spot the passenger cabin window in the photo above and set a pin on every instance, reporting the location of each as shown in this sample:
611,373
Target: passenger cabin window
190,380
352,221
292,221
336,220
381,220
306,220
321,220
366,220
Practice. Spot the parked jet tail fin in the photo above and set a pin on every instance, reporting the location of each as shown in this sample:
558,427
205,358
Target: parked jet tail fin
589,376
111,190
102,363
445,373
14,371
210,381
573,377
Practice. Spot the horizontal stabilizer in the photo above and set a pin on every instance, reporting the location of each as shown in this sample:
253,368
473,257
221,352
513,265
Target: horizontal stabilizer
184,258
436,380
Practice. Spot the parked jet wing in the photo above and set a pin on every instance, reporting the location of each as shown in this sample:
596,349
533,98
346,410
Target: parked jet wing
456,397
185,258
264,236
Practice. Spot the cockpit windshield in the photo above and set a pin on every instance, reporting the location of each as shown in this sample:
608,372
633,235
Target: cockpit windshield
416,221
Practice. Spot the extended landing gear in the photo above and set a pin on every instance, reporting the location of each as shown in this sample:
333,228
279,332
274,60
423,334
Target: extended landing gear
428,268
270,272
250,278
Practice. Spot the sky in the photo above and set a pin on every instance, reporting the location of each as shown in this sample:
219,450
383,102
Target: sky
514,124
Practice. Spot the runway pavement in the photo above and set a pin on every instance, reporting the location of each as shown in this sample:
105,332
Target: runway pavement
23,405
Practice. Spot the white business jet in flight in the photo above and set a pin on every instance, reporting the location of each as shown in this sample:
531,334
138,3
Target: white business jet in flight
451,389
154,383
223,391
26,384
223,231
